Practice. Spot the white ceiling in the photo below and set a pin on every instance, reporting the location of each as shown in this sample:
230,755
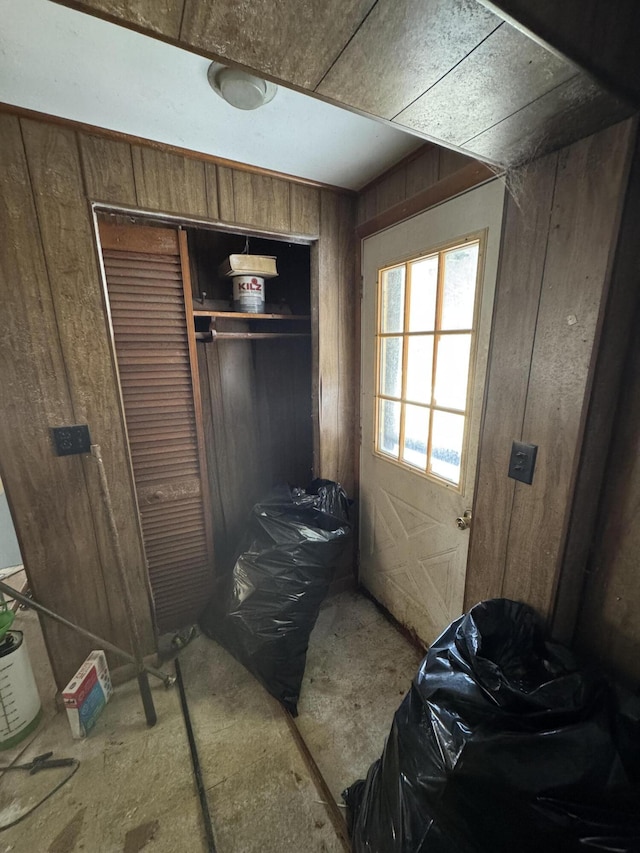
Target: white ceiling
65,63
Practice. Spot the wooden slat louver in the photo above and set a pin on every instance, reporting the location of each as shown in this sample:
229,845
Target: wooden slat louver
149,293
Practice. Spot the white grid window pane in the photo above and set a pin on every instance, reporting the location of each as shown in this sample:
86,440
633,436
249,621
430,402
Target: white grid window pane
392,300
416,436
391,367
447,434
460,268
419,368
389,428
452,372
424,293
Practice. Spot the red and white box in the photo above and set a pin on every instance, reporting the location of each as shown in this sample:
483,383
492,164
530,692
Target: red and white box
87,693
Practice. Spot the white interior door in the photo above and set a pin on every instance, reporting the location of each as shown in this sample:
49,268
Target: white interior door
428,288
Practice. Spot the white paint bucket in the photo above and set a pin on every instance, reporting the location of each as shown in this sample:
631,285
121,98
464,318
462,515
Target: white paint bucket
248,294
20,707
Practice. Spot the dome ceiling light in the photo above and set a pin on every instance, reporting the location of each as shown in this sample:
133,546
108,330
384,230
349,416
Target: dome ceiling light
240,89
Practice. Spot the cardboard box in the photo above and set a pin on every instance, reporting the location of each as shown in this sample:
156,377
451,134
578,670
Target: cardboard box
261,265
87,693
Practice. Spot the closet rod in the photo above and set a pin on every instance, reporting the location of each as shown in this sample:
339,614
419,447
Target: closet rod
214,336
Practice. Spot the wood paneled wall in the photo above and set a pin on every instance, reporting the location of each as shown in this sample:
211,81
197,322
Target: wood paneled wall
560,236
608,627
56,360
418,172
57,369
426,178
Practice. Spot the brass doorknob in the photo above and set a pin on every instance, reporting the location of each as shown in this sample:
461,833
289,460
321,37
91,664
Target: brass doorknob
464,521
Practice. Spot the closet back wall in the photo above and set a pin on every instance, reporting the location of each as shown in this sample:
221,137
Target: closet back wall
57,364
256,394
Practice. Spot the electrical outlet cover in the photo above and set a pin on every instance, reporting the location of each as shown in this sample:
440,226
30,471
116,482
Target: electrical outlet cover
69,440
522,461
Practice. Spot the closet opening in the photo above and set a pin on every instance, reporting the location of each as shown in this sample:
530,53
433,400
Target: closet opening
217,402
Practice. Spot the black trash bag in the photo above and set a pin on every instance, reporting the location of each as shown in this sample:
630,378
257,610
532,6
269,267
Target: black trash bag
504,744
264,612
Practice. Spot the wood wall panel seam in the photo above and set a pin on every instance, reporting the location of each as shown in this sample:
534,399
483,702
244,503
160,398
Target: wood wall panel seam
305,210
170,183
521,434
104,179
294,47
226,194
136,188
182,14
542,275
523,108
262,202
341,51
401,50
450,71
211,188
516,70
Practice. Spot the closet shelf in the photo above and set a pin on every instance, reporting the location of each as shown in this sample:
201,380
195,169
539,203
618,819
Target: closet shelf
240,315
214,334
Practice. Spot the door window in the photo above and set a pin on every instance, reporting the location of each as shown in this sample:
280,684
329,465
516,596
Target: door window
424,344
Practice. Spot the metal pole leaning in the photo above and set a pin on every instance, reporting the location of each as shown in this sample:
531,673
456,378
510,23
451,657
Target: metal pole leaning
10,592
143,678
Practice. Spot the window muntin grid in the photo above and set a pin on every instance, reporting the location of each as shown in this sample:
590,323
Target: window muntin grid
425,337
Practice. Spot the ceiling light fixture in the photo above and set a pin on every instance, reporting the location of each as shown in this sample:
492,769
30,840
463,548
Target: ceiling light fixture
240,89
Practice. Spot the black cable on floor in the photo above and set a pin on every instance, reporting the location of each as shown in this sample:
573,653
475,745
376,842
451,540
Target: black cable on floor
195,762
30,811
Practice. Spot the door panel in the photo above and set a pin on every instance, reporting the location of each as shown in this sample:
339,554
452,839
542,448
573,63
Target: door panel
412,554
149,296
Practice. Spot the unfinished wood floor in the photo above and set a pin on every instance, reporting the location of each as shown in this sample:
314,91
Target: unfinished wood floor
135,791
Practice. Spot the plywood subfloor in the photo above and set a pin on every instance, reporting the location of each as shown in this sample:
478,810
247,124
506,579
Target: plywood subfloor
134,789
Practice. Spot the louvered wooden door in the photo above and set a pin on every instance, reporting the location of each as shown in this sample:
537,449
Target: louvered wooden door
149,293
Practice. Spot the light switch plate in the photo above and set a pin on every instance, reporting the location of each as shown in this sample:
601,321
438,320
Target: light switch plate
522,461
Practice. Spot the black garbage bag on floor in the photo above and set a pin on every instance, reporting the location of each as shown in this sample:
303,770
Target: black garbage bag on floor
265,611
504,744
